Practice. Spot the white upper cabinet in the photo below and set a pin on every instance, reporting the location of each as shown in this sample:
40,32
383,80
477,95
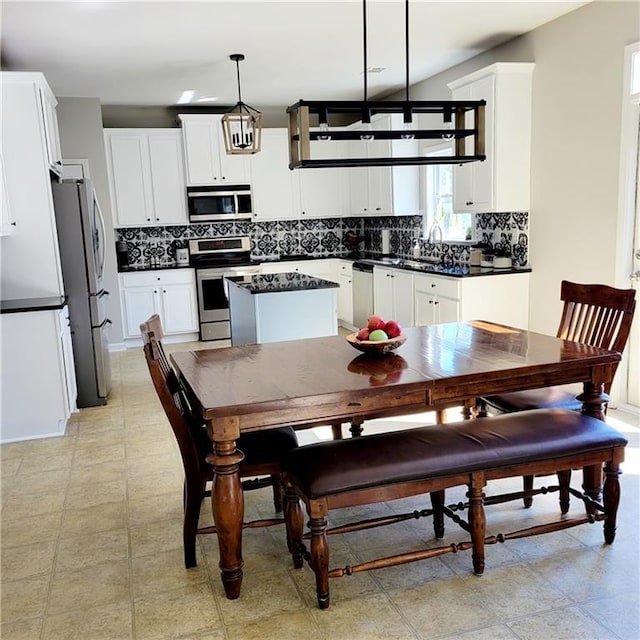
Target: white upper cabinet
501,182
385,190
30,259
274,186
206,160
51,132
324,192
146,176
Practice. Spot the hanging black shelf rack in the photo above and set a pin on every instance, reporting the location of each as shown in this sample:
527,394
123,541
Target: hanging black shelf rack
303,112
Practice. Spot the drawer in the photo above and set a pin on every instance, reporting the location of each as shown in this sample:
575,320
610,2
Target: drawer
168,276
447,287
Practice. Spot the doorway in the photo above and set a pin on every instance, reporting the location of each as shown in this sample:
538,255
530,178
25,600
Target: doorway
626,391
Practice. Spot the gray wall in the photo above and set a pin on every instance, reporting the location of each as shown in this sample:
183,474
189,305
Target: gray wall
576,112
80,124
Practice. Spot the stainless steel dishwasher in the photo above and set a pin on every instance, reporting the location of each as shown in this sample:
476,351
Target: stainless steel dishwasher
362,293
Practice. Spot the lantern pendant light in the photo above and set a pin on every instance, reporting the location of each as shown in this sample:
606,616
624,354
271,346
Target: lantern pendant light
242,125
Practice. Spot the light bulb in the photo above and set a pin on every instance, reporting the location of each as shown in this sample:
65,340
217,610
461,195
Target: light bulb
448,124
367,133
407,131
407,124
448,136
324,128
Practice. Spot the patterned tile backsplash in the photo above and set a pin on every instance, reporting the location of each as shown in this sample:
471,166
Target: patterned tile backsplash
156,246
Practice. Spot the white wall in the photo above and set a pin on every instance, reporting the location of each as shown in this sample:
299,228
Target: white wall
577,93
80,124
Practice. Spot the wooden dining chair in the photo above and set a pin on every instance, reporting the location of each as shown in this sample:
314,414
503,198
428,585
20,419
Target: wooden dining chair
263,450
593,314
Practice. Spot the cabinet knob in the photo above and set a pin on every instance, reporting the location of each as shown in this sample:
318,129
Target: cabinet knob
432,285
378,208
430,301
164,291
435,302
155,291
148,219
158,278
14,224
469,203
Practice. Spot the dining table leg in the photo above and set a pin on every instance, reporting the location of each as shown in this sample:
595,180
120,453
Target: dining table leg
227,505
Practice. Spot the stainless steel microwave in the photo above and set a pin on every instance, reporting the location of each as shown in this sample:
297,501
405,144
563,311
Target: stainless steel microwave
219,203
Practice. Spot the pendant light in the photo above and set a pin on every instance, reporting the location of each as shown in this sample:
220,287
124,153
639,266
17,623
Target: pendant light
461,120
242,125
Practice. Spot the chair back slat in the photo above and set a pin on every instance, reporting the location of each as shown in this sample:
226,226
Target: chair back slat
172,396
596,314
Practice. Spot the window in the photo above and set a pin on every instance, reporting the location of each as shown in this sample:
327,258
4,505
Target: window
437,181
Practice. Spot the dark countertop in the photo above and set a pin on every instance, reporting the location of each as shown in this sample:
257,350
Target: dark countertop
280,282
32,304
455,271
416,266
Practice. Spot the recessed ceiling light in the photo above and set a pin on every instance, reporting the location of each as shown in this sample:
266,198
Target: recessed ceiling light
207,99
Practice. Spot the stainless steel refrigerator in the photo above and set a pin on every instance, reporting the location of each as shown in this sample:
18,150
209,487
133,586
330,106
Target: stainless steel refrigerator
81,237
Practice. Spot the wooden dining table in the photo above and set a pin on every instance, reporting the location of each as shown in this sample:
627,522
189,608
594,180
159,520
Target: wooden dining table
325,381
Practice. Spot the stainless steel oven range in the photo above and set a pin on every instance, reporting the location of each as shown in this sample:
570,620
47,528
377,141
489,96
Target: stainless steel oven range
214,260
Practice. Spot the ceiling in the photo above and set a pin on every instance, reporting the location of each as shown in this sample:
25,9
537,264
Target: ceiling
149,53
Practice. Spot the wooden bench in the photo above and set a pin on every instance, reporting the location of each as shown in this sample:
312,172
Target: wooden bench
378,468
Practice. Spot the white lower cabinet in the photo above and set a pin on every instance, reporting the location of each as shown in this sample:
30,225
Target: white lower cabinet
38,385
393,295
169,293
436,300
345,293
503,299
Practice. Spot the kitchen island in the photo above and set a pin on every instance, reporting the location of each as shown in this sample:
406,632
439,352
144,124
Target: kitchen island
281,306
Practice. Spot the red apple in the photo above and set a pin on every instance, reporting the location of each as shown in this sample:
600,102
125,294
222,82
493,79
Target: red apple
363,334
392,329
375,322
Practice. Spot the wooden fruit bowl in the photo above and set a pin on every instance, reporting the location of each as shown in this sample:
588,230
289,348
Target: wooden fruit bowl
379,347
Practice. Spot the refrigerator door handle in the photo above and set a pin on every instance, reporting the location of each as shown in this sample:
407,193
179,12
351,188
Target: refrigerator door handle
103,233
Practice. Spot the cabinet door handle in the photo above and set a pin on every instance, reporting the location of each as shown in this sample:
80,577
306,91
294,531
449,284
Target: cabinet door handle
378,208
469,203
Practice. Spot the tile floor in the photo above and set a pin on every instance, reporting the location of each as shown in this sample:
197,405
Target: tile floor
91,549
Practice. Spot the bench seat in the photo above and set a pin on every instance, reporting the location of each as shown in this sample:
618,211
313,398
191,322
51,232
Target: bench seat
430,459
